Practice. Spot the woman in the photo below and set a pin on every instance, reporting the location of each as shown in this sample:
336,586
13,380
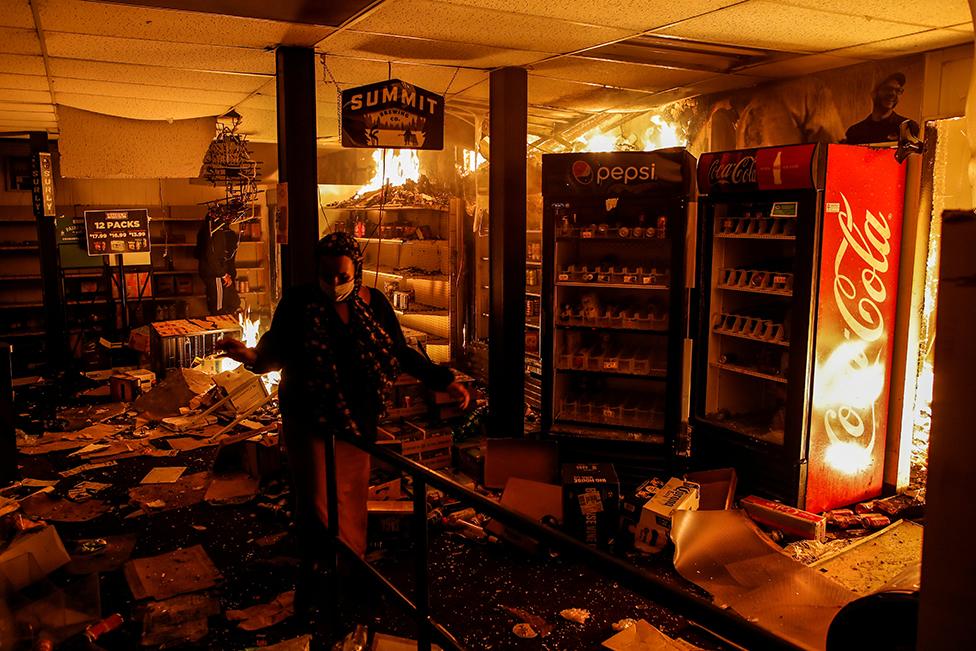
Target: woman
340,348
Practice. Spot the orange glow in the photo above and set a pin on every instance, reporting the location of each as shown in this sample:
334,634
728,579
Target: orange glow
848,458
642,134
848,378
402,165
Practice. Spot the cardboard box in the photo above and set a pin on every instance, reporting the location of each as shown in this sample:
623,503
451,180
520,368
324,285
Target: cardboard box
469,458
536,500
389,489
591,502
31,557
717,488
145,377
788,519
384,642
522,458
654,528
631,505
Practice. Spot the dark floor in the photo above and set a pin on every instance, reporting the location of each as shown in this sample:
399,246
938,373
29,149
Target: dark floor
470,581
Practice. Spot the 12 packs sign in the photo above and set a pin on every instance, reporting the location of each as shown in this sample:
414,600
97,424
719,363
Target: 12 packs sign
392,114
109,232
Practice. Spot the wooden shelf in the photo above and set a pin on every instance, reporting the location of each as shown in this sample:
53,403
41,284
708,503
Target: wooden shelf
750,372
755,290
569,283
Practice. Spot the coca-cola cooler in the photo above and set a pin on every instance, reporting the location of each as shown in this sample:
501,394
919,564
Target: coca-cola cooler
798,268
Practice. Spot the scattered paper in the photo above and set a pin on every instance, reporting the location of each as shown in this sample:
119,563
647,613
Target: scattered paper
86,489
178,620
188,443
163,475
57,510
186,491
88,466
232,489
264,615
303,643
644,637
174,573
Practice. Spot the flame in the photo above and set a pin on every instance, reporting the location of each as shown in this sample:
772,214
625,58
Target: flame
654,132
471,160
848,378
250,329
848,458
250,333
402,165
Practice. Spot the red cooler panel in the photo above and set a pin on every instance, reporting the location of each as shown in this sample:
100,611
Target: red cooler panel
861,245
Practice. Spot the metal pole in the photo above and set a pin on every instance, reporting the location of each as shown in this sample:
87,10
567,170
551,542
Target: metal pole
508,124
55,341
422,588
123,299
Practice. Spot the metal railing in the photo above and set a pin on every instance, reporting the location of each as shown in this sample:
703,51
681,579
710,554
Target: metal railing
722,622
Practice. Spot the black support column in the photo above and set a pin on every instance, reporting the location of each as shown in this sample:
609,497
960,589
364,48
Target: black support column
55,341
297,160
506,250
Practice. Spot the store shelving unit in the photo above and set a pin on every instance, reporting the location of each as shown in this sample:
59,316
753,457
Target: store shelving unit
614,302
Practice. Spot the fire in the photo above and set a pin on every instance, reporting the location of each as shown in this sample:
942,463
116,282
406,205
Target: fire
250,329
471,161
848,378
402,165
642,134
848,458
250,333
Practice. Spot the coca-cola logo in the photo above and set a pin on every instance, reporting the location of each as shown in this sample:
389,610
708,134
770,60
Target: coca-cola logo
859,293
736,172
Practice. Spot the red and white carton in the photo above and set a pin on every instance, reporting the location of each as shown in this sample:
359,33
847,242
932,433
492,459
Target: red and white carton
654,526
787,519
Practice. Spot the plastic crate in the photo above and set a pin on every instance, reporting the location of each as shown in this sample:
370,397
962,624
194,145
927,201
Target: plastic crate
176,344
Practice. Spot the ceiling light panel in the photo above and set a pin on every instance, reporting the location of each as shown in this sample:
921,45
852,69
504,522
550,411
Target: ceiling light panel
450,22
770,25
79,17
418,50
931,13
155,76
162,54
634,15
611,73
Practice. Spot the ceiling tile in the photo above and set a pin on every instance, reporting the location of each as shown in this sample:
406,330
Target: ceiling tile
22,64
27,118
28,125
16,13
36,109
312,12
80,17
636,15
138,109
417,50
800,65
29,96
23,82
931,13
963,27
578,97
930,40
450,22
140,91
167,55
763,24
19,41
357,72
615,74
155,76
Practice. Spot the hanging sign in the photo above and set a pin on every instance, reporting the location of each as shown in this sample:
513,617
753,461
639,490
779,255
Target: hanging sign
392,114
110,232
42,174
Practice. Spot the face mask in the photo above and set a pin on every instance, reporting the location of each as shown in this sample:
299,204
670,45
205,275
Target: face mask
339,293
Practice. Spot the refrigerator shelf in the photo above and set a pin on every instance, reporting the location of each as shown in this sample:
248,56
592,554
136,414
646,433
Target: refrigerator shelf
730,333
649,427
654,374
754,236
596,325
632,240
581,429
569,283
754,290
744,370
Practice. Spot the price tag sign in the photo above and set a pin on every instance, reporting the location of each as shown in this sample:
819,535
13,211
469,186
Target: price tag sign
112,232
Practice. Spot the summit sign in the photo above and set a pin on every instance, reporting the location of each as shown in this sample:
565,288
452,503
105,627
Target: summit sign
392,114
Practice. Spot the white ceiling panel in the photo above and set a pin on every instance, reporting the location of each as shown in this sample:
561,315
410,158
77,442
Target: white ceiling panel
16,13
140,91
801,65
929,40
931,13
417,50
265,101
19,41
22,64
578,97
612,73
167,55
36,109
82,17
635,15
155,76
770,25
24,125
449,22
963,27
29,96
439,79
23,82
38,119
139,109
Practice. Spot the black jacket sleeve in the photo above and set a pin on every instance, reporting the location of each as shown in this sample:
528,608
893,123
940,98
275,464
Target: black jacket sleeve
412,361
273,347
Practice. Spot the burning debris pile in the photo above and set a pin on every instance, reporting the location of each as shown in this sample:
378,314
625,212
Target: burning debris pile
422,193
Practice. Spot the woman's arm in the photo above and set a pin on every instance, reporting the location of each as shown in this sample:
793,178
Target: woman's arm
270,353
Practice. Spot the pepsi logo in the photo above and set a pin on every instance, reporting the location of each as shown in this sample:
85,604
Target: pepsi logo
582,172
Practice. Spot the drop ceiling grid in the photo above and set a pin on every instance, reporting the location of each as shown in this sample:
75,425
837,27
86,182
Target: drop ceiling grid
155,76
461,24
770,25
932,39
23,82
439,79
142,91
166,55
19,41
929,13
16,13
616,74
83,17
139,109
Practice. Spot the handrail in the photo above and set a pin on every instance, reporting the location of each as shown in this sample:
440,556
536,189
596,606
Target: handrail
721,621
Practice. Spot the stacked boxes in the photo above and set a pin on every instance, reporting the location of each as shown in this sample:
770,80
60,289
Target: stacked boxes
426,444
175,344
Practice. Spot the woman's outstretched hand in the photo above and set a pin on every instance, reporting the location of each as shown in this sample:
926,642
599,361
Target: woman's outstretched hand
459,392
237,350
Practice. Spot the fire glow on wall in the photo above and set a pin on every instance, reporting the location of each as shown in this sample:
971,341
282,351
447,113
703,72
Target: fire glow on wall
860,247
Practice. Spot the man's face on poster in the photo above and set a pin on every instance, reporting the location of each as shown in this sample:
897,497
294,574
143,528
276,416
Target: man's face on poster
887,94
